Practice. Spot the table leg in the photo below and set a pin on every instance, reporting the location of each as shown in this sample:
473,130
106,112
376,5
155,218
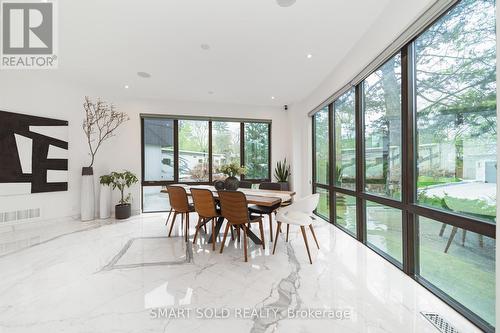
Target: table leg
218,225
250,234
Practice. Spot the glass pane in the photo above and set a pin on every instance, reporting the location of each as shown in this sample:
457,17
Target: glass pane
384,229
257,150
460,263
323,209
456,111
345,208
382,116
158,149
193,150
345,138
225,146
322,146
153,200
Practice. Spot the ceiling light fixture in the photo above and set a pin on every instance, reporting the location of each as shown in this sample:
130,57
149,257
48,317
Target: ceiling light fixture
144,75
285,3
272,97
309,56
126,86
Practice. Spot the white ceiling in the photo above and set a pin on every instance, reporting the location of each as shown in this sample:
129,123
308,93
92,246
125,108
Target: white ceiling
257,49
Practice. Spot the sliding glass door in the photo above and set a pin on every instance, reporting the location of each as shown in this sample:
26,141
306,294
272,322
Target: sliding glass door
405,161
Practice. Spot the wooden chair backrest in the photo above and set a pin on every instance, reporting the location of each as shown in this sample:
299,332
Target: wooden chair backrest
178,198
234,206
204,202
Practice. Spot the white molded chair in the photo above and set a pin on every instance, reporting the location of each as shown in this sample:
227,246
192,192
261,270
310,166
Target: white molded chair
298,213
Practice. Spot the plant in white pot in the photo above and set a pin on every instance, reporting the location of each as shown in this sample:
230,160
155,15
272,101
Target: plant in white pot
282,174
122,181
100,123
105,197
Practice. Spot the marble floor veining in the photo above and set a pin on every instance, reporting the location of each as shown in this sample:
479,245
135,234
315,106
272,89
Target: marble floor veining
128,276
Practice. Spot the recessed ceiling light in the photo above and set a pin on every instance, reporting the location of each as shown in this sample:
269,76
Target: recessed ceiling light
125,86
272,97
309,56
285,3
144,75
205,47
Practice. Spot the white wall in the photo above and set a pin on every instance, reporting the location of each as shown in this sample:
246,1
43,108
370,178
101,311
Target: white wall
44,93
385,30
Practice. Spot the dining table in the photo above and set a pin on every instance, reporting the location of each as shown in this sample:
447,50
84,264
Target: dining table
259,197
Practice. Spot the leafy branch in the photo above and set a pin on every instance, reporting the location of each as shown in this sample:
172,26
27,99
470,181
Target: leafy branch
101,121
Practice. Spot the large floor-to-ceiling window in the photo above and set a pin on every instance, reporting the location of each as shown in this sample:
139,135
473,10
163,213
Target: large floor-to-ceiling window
192,150
405,160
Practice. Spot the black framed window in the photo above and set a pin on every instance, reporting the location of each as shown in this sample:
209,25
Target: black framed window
420,131
257,152
192,150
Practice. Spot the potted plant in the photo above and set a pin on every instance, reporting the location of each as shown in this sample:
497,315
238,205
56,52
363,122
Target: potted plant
282,174
100,123
105,196
232,170
123,180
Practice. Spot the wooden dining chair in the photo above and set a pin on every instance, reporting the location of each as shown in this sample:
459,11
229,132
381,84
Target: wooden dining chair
180,204
261,210
234,208
204,205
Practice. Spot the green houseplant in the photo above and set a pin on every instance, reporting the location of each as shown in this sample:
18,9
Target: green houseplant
282,174
122,181
232,170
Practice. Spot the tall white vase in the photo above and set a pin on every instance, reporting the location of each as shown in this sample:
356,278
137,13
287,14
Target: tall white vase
105,202
87,207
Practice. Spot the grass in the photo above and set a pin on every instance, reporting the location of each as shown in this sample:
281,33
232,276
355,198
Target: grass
425,181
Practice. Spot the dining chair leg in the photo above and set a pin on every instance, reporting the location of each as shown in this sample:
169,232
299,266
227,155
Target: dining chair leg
443,226
213,234
261,227
172,224
197,228
452,235
305,241
314,235
464,232
245,241
187,227
168,217
271,227
287,230
238,233
205,227
278,227
232,233
224,238
182,221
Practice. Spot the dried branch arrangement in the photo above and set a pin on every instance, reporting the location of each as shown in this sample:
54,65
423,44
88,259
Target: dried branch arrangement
100,123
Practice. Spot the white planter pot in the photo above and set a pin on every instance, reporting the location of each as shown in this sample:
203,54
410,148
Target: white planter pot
105,202
87,207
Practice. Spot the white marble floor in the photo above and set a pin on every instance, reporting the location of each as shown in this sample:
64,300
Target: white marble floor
109,276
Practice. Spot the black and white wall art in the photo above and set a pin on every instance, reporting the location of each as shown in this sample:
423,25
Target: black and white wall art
33,154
